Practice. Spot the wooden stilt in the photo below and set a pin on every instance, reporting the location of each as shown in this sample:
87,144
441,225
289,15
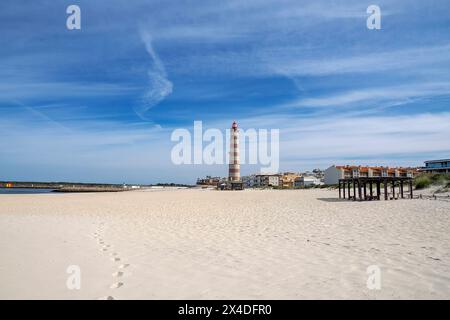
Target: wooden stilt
340,189
361,184
378,190
348,187
359,190
401,189
385,189
343,188
365,190
393,189
410,189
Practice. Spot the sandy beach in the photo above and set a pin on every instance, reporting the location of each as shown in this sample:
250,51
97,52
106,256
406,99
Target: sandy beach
197,244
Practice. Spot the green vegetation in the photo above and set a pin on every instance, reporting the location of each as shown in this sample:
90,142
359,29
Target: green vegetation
440,179
426,180
422,182
174,185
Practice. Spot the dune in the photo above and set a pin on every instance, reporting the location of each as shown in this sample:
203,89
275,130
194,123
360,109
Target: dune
203,244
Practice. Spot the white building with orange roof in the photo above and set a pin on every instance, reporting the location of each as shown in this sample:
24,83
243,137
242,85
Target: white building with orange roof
334,173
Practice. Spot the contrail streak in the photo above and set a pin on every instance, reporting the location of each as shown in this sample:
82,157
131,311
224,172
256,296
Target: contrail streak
159,84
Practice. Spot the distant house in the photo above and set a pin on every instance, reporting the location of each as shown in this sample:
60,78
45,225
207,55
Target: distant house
208,181
334,173
436,166
287,179
268,180
307,181
249,181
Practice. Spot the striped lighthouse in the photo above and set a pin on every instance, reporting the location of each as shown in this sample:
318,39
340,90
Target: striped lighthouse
234,170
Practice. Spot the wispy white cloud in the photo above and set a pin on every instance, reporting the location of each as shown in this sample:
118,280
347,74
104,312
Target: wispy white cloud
306,143
374,96
300,61
52,90
159,84
291,61
231,21
97,150
112,151
322,46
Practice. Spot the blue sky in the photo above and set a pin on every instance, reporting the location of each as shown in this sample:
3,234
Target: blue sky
100,103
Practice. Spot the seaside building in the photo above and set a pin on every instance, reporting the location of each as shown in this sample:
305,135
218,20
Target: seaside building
318,174
234,170
315,173
268,180
249,181
209,181
287,179
6,185
306,181
334,173
436,166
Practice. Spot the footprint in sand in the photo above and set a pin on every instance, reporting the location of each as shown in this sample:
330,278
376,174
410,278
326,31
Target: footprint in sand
123,266
107,298
116,285
115,259
117,274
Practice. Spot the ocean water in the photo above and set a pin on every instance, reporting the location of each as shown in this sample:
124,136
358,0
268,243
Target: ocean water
23,191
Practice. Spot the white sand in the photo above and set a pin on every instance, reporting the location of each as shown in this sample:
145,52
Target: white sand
194,244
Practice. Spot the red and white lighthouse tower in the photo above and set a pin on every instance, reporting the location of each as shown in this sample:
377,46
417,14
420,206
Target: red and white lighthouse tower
234,170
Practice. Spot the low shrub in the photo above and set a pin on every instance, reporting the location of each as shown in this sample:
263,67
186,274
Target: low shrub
439,179
422,182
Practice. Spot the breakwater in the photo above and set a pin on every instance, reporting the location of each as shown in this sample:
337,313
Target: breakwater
67,186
